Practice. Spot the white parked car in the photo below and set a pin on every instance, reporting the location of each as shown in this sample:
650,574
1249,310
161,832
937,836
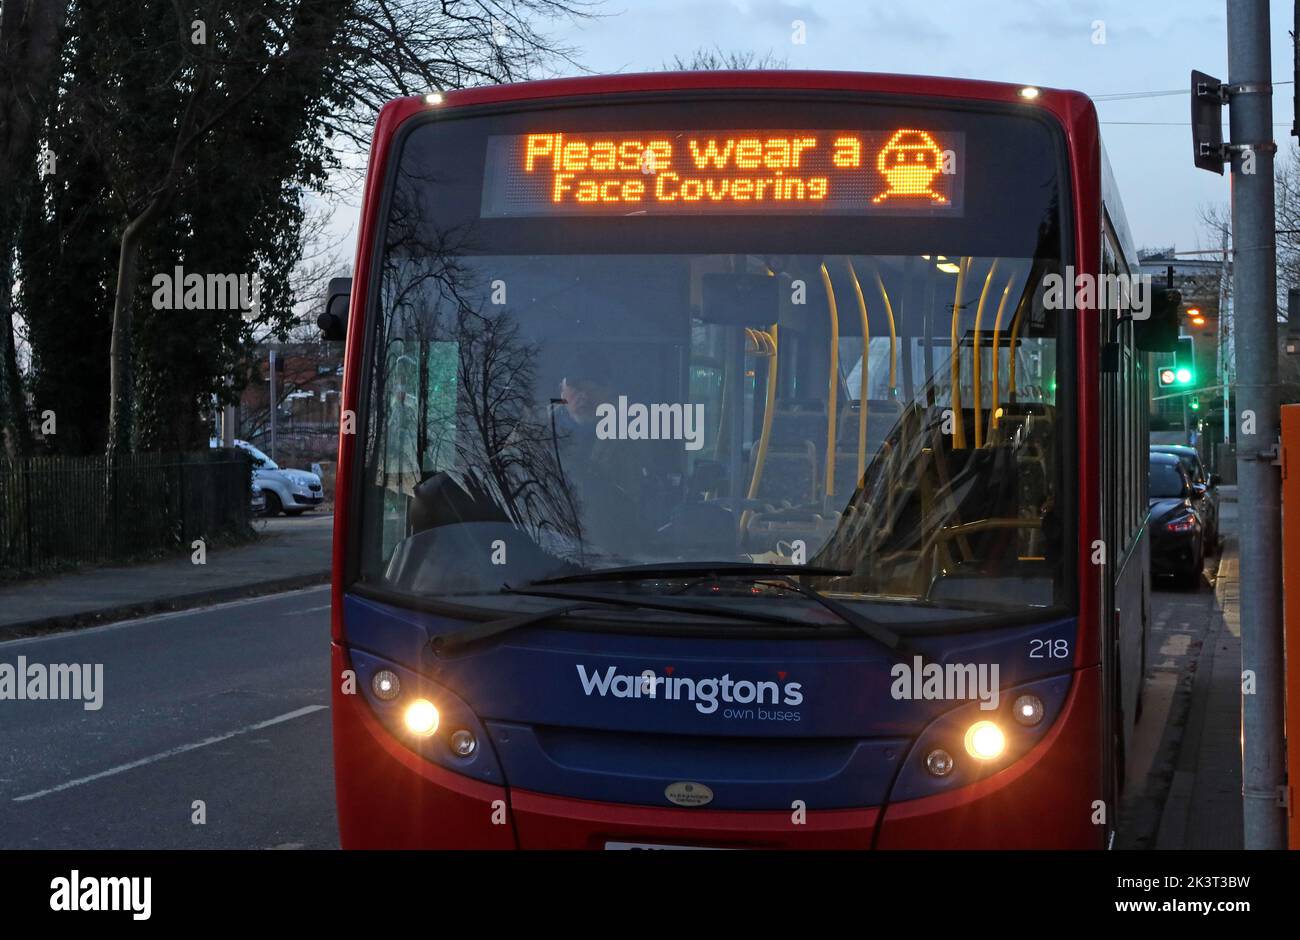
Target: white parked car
289,491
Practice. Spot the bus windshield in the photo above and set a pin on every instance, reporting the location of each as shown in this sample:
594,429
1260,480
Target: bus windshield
859,372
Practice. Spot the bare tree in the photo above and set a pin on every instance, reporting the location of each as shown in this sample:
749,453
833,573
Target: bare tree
323,258
507,443
412,47
1286,203
705,59
1216,223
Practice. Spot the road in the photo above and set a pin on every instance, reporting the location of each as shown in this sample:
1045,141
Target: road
226,705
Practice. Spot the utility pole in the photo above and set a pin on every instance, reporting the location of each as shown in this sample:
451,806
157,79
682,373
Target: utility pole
228,422
1254,287
271,391
228,426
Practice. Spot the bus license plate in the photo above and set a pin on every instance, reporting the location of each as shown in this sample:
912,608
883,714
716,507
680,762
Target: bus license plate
653,845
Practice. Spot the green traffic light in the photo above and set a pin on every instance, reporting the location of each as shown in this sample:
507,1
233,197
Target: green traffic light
1184,376
1196,404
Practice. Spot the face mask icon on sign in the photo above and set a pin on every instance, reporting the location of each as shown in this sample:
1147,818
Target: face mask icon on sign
910,162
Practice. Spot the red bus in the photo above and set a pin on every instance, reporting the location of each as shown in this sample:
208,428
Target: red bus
724,465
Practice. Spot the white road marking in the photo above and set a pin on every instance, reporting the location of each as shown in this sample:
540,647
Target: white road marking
307,610
154,618
154,758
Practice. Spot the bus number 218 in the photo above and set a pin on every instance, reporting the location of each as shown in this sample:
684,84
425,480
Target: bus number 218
1049,649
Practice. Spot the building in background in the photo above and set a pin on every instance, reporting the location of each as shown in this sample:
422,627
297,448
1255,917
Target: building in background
1195,412
307,386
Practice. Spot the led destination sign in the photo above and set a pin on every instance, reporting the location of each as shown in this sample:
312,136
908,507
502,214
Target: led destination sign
900,171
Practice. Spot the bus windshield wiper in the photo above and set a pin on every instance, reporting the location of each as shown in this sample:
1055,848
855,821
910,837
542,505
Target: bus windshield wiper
690,569
446,642
786,574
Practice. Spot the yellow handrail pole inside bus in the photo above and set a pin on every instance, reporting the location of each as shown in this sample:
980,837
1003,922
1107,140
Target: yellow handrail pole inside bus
1011,356
977,355
769,407
832,382
959,424
760,456
893,338
996,404
862,374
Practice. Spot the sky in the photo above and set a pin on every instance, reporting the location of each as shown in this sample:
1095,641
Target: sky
1149,46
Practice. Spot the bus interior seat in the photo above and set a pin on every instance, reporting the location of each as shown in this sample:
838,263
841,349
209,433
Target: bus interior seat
450,518
795,422
439,499
789,475
882,416
790,467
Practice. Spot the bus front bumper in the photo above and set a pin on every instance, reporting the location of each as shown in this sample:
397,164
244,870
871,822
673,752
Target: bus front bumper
390,798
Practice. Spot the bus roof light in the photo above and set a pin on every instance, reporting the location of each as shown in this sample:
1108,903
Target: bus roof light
1029,93
433,97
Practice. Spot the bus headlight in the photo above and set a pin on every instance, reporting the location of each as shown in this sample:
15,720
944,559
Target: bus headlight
421,717
985,741
969,743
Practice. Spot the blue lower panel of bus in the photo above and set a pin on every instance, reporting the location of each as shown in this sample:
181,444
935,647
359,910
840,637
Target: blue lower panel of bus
744,773
762,722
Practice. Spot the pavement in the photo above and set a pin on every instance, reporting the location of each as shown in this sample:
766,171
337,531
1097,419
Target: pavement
289,553
1203,809
1184,781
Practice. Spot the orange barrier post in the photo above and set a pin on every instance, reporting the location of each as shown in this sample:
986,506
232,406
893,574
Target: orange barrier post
1291,605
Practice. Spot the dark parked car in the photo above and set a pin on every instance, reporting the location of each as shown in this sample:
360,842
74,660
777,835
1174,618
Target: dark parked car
1177,529
1205,484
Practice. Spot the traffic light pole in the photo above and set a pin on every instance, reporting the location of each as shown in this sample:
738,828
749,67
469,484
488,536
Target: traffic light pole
1258,478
